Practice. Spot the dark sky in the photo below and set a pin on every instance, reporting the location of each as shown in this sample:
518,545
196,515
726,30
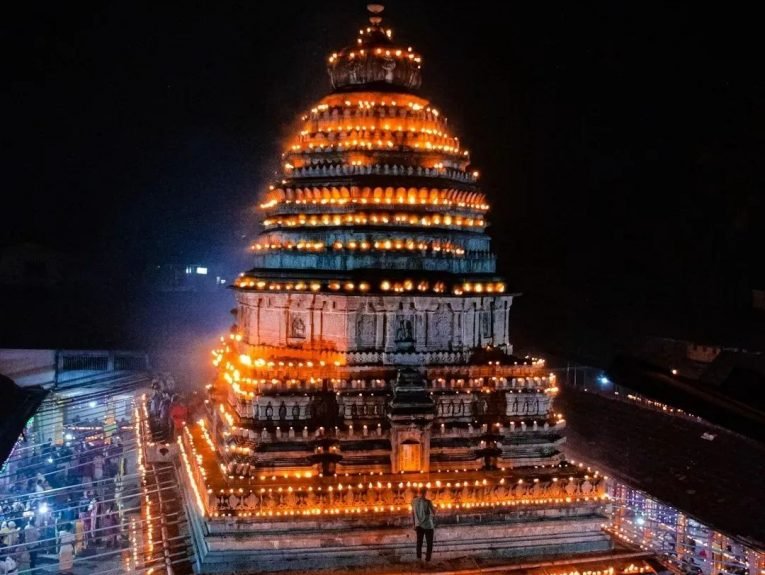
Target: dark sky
621,145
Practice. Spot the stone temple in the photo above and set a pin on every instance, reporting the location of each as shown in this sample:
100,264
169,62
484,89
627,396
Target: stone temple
371,355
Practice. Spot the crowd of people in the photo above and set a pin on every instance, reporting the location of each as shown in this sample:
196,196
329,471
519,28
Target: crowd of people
63,499
167,410
60,500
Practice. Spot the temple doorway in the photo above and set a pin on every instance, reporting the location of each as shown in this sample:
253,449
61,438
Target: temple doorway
410,456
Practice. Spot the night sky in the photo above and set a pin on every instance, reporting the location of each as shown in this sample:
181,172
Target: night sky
621,146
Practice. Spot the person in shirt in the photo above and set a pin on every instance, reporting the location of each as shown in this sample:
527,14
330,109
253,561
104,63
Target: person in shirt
424,514
31,540
178,414
8,565
98,466
66,541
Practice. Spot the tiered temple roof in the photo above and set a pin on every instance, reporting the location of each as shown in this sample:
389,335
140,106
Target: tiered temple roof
375,184
371,353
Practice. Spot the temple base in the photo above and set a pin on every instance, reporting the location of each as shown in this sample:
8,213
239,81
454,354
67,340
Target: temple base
248,545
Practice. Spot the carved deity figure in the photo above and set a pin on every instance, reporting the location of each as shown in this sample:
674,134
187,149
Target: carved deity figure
485,325
353,68
404,331
297,328
388,65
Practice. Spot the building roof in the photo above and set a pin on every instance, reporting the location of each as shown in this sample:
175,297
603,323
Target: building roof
716,404
717,481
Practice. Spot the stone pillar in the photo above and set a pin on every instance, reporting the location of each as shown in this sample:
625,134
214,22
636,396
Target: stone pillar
389,341
321,325
380,326
419,320
257,321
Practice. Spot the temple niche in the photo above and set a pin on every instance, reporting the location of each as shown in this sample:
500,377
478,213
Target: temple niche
372,355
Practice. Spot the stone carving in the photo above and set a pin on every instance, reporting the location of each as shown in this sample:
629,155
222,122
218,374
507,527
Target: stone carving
388,65
436,326
441,326
366,330
297,328
451,495
404,330
485,324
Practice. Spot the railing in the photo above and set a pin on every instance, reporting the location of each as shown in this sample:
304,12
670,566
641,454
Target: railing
68,361
82,362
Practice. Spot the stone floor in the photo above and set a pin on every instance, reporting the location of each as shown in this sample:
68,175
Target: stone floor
86,563
528,565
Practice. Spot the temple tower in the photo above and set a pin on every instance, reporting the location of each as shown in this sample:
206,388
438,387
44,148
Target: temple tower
371,354
374,248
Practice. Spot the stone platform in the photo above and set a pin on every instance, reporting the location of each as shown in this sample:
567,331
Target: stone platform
327,547
621,561
248,545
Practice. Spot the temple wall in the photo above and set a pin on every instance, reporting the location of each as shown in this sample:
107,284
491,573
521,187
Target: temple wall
374,323
351,407
369,445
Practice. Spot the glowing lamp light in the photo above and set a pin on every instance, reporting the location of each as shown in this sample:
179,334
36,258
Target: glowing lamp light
674,372
91,404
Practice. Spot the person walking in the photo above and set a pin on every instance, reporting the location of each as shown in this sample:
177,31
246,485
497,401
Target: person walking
65,550
424,514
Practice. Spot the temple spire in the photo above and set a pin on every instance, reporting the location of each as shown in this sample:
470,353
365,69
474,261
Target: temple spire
374,13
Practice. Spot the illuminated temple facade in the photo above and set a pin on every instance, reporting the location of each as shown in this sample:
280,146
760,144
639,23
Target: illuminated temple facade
371,355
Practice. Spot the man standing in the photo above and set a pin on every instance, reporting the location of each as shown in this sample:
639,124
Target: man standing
31,539
178,414
423,514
